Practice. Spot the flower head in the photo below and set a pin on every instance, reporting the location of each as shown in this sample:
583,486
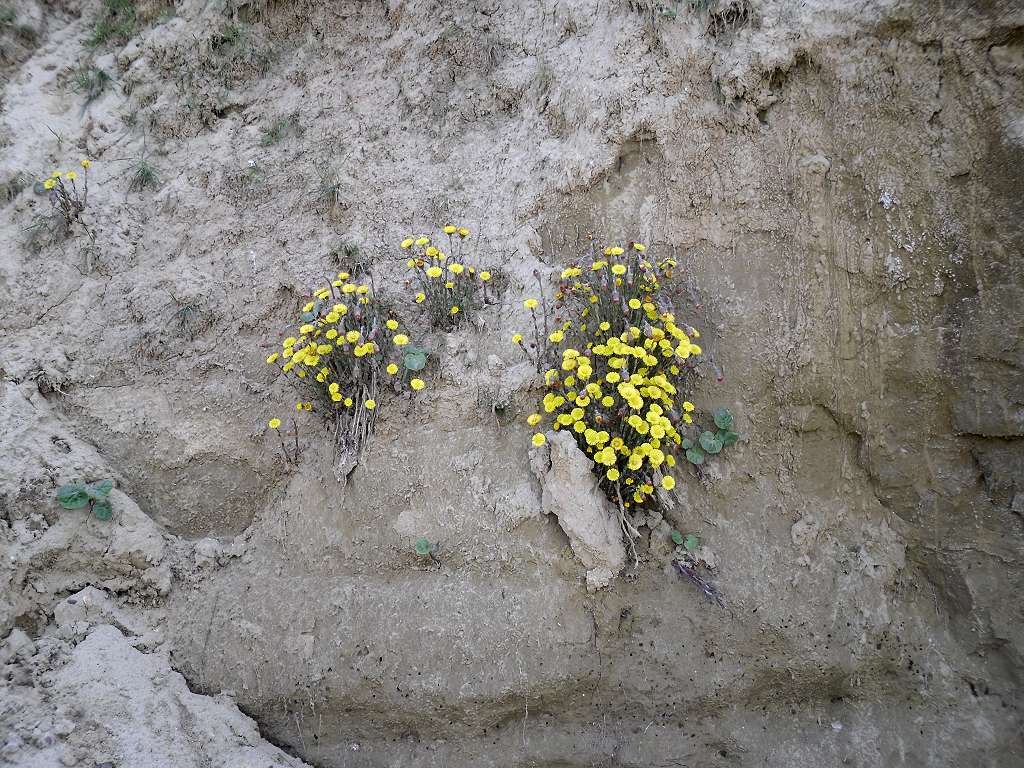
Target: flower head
538,439
401,340
417,384
485,275
274,423
530,304
71,176
49,184
392,369
85,163
370,404
407,243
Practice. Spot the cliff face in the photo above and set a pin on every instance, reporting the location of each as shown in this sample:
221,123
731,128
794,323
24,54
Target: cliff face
841,185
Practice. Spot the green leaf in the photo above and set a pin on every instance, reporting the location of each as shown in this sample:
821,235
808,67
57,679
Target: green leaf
102,509
415,360
710,443
691,542
308,317
72,496
100,489
695,455
677,537
723,419
422,547
687,444
728,437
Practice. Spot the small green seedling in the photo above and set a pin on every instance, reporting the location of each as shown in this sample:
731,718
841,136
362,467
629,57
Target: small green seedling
94,495
710,443
415,359
422,547
689,542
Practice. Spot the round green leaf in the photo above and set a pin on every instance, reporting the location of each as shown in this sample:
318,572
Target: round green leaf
686,444
100,489
422,547
102,509
723,419
677,537
728,437
691,542
415,360
710,442
695,455
72,496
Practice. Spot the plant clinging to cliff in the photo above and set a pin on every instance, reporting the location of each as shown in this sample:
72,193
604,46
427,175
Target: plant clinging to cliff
617,357
448,288
345,353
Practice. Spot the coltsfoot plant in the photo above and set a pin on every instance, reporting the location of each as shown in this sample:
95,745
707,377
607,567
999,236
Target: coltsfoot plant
93,495
617,359
68,195
449,289
345,352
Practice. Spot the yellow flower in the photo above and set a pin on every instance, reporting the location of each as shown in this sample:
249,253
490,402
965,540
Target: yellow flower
362,290
333,387
401,340
634,303
71,176
323,349
407,243
533,419
336,397
449,230
640,247
668,482
423,241
49,184
411,263
485,275
352,337
556,337
421,297
434,272
538,439
392,325
530,303
332,334
370,404
309,307
618,269
348,288
687,406
449,285
612,474
431,251
85,163
348,402
517,338
392,369
55,175
305,329
272,359
454,310
417,384
463,232
343,275
456,269
274,423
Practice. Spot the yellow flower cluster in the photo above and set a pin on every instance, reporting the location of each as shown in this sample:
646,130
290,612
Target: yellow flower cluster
65,194
616,369
345,348
447,287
